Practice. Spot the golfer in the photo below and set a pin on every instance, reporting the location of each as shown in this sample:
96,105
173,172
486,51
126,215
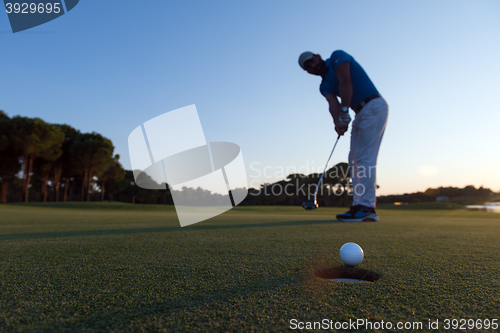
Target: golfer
342,77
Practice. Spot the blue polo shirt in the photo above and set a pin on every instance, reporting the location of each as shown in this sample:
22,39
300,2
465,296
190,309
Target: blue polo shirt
362,86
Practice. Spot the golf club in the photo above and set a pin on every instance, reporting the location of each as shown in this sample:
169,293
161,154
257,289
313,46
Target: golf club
314,205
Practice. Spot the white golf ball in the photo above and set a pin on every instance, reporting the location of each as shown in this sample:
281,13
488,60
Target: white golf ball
351,254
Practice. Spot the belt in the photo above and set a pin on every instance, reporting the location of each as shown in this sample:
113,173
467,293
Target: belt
362,104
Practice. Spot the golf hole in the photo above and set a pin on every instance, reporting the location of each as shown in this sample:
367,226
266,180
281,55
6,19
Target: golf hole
347,274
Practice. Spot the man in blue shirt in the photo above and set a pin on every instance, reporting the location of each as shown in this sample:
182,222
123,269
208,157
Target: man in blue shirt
342,77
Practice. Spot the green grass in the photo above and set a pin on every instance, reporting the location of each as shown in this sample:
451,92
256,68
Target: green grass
92,267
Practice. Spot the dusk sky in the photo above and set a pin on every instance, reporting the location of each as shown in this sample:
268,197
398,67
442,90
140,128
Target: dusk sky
109,66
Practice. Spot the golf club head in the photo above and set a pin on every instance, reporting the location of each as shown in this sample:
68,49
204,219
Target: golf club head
309,205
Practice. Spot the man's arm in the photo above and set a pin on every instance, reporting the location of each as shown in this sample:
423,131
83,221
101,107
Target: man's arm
345,85
334,108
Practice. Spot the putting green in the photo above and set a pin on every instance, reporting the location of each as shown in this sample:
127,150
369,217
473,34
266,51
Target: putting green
120,267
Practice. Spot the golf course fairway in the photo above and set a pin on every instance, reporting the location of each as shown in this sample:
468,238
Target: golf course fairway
131,268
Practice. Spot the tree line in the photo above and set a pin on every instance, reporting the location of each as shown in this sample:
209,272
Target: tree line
52,162
468,195
335,189
45,162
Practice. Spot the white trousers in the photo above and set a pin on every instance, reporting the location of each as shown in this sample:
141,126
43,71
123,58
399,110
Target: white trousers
366,135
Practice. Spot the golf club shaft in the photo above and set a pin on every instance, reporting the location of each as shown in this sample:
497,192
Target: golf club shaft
326,166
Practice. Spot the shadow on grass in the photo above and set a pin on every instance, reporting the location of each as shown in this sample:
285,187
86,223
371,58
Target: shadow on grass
347,272
206,299
161,229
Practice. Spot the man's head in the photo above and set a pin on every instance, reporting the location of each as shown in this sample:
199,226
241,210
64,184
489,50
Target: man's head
312,63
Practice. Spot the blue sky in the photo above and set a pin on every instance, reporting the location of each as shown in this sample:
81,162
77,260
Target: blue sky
108,68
